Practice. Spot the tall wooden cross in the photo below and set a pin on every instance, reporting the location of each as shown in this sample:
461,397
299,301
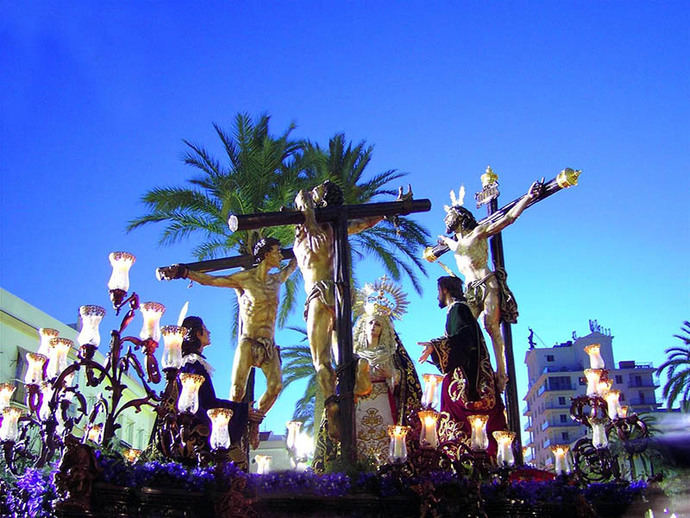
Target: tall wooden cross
338,218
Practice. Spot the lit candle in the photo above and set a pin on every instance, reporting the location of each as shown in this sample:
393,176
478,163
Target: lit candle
397,452
595,359
431,382
132,455
46,396
46,334
189,397
560,453
504,454
593,376
479,440
34,368
9,431
91,317
599,439
429,436
304,448
95,433
172,352
603,387
263,464
613,406
6,391
623,411
220,437
121,263
293,430
152,313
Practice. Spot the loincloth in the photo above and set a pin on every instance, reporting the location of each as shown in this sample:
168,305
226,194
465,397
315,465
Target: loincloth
263,349
477,290
323,291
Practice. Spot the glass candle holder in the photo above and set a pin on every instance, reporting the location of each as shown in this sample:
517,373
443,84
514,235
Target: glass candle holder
220,437
479,441
95,433
397,451
121,263
623,411
6,391
561,460
293,428
57,359
431,383
263,464
132,455
34,368
46,334
593,377
429,436
612,403
46,396
599,439
504,454
152,313
172,349
189,397
603,387
9,430
91,317
595,359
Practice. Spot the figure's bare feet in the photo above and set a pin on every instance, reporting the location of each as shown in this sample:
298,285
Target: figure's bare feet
333,416
501,381
363,386
255,418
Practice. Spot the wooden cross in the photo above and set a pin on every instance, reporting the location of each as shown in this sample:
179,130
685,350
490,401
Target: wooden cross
338,218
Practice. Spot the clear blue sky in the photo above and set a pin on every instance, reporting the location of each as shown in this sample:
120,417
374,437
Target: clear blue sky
95,99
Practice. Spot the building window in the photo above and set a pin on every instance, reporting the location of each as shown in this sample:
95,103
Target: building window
621,397
549,357
561,400
564,418
641,394
559,383
565,436
582,380
619,379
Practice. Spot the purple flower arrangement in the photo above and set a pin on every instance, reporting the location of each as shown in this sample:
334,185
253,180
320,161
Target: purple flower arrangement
33,494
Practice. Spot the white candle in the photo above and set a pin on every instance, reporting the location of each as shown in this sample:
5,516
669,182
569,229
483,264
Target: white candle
152,313
34,368
612,403
431,382
91,317
121,263
95,433
479,440
595,359
599,439
505,447
263,464
397,452
172,352
429,435
9,430
593,376
6,391
561,464
189,397
220,437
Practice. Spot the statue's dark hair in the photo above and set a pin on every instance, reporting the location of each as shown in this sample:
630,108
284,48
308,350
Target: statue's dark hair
191,343
333,194
460,217
453,285
263,246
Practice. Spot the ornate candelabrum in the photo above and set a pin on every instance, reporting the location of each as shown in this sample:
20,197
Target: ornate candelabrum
600,410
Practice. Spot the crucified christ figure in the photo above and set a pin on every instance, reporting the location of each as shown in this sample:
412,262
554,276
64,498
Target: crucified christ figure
487,292
257,291
314,252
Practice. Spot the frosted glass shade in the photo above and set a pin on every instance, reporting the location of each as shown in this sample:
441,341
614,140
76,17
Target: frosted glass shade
172,351
397,451
121,263
479,441
189,397
220,437
152,313
91,317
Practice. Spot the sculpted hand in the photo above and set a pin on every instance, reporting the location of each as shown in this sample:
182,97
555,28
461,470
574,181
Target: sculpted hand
536,189
501,381
175,271
449,242
428,349
404,196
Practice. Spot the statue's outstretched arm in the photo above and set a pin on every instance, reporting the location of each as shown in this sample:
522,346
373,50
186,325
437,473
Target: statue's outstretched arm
287,270
494,228
224,281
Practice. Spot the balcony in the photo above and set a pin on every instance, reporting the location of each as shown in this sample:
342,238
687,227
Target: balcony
642,383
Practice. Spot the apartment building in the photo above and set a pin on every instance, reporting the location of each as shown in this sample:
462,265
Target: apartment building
556,375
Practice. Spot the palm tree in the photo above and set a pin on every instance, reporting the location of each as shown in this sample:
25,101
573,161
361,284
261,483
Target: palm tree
261,175
677,368
395,244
